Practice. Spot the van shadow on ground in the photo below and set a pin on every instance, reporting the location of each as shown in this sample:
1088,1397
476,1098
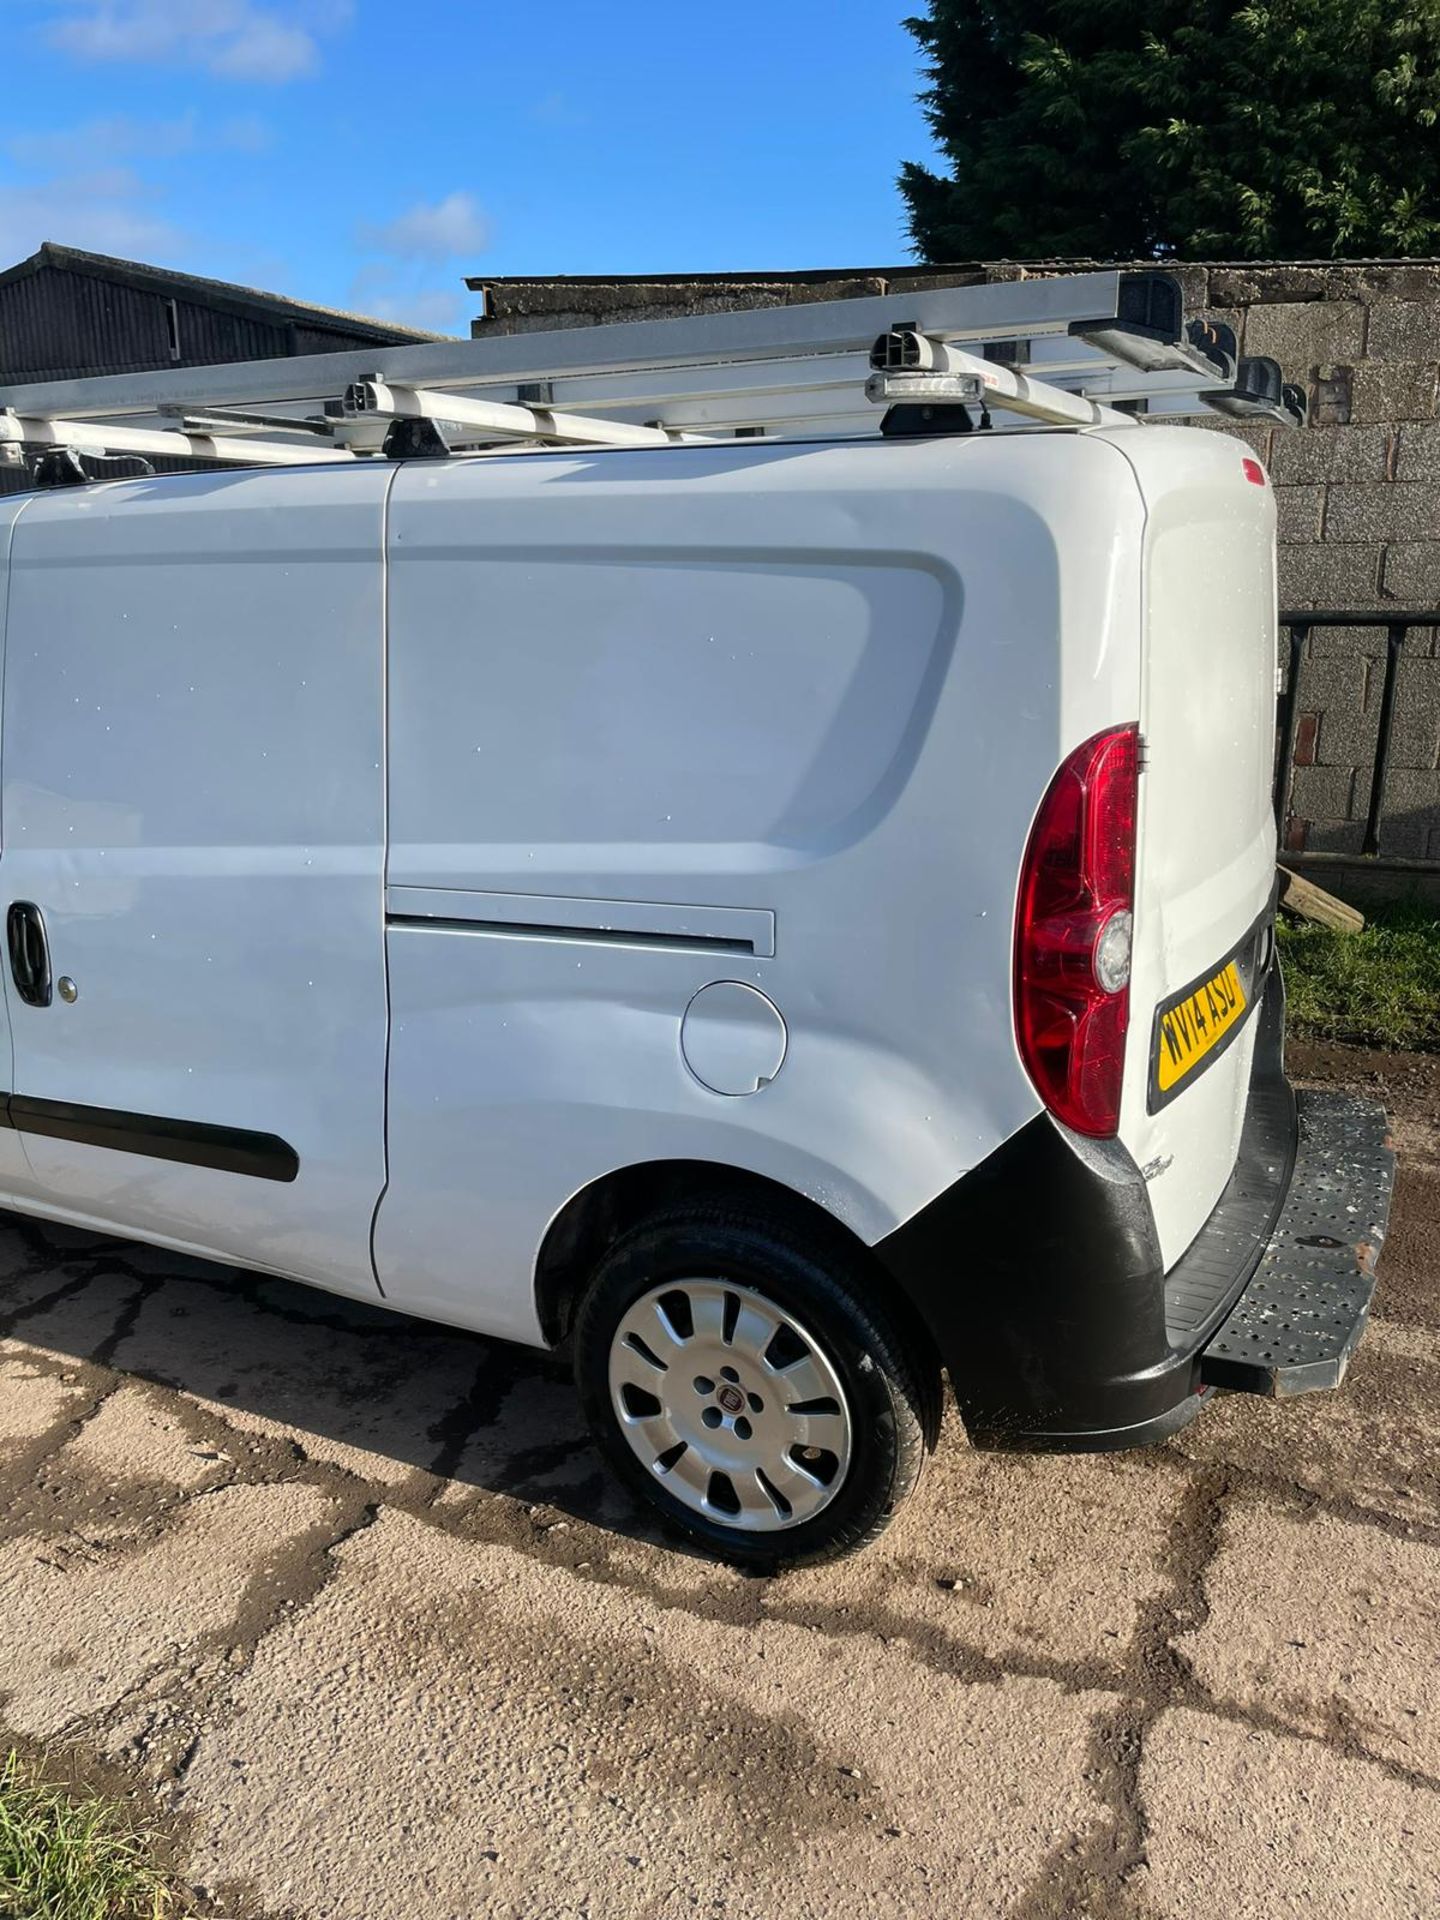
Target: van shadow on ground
423,1413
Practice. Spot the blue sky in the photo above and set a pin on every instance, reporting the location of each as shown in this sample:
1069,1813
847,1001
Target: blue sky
368,155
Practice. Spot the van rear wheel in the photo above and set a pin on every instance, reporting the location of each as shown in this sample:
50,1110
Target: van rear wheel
742,1378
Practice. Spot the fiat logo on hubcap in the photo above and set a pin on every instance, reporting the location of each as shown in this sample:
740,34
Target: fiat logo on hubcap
731,1399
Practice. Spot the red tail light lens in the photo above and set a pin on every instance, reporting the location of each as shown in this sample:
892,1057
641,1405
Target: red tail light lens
1072,933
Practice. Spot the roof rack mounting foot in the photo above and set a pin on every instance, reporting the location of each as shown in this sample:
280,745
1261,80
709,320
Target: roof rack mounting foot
914,419
59,467
66,467
410,439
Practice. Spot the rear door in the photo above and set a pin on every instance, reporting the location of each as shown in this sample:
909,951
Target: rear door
1205,870
194,827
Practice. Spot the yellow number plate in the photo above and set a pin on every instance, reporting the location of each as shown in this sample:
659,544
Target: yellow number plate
1197,1025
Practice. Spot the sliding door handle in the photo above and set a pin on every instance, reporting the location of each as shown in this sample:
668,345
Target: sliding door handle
29,952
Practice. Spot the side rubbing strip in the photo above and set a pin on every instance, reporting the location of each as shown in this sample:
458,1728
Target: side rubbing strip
194,1143
707,944
551,916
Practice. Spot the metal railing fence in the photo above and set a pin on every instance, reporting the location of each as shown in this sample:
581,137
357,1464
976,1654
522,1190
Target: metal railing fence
1299,627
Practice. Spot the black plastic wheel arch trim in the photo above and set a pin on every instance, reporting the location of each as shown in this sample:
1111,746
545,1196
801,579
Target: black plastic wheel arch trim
193,1143
1040,1278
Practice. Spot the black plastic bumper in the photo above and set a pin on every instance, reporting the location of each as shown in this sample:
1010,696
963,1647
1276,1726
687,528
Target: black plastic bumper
1040,1278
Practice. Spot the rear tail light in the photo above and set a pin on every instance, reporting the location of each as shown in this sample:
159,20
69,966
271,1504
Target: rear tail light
1072,933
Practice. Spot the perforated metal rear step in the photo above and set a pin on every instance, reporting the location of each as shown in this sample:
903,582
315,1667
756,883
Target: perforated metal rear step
1298,1321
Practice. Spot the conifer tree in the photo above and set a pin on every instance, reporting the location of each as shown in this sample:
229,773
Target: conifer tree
1284,129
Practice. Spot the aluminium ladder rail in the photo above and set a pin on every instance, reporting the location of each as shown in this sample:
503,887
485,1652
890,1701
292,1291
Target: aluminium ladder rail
1089,349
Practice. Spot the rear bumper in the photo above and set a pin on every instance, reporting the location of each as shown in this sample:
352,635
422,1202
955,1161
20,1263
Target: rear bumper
1039,1274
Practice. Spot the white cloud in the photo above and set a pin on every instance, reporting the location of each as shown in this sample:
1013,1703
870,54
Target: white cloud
555,110
99,143
452,226
244,133
237,39
266,49
432,309
384,292
85,194
399,283
106,211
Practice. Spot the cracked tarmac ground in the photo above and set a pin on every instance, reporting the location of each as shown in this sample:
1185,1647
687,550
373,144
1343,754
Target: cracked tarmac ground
349,1601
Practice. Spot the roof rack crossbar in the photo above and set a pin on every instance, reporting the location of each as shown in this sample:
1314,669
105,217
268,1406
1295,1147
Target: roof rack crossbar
911,368
493,419
169,443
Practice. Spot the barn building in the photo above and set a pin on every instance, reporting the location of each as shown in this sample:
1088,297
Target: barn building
65,314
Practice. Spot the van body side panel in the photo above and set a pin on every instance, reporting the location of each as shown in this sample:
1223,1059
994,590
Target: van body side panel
193,798
817,688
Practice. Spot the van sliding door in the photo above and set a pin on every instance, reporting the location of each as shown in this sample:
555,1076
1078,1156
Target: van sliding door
194,819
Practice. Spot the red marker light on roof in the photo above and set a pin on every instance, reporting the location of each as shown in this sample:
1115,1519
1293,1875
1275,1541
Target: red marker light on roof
1253,472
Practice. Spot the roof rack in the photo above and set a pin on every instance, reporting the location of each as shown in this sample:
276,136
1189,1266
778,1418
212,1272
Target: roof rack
1092,349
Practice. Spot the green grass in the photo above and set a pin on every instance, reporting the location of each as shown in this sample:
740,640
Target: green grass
1379,988
72,1855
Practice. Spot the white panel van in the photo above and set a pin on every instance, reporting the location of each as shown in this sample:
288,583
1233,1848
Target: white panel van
783,921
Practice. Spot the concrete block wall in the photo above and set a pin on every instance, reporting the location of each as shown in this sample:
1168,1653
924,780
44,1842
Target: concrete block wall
1358,492
1358,489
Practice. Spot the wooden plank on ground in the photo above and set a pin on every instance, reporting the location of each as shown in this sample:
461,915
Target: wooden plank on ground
1308,902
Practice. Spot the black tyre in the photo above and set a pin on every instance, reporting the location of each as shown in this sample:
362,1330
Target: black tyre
741,1376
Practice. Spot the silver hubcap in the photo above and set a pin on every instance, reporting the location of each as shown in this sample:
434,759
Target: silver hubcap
730,1404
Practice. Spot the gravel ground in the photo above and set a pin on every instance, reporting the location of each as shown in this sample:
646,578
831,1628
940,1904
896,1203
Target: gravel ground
348,1600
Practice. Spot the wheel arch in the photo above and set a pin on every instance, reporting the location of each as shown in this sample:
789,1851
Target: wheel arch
595,1216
